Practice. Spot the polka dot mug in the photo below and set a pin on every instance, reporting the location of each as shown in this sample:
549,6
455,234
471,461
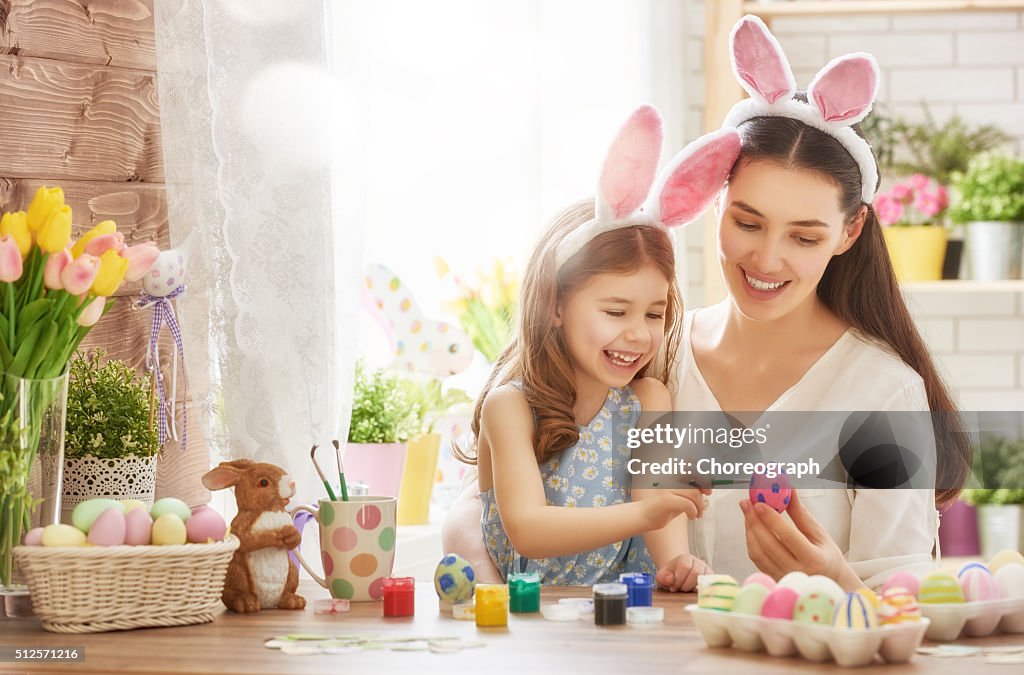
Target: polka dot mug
357,545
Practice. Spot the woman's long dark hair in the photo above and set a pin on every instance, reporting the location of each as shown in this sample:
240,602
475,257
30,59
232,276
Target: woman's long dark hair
860,286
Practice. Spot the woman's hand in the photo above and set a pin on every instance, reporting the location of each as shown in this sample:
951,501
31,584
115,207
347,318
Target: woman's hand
778,545
680,574
662,506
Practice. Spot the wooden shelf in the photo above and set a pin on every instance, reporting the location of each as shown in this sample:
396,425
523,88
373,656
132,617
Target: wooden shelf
773,10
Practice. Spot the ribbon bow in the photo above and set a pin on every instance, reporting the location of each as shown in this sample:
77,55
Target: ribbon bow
163,311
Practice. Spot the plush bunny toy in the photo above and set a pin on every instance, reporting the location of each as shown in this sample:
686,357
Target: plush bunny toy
260,575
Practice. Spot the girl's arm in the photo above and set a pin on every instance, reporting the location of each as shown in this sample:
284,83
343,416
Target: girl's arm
538,530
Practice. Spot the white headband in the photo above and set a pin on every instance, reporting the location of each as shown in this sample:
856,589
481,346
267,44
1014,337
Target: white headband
840,95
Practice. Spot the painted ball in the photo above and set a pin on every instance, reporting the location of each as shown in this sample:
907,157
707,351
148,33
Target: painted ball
855,612
978,583
1010,579
761,579
750,599
775,492
940,587
454,579
716,591
898,606
823,584
903,580
815,606
1005,557
780,603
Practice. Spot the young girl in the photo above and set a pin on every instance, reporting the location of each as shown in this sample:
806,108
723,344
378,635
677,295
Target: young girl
598,303
814,320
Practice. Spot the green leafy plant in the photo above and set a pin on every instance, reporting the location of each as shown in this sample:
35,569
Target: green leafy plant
431,404
382,409
992,188
109,410
998,462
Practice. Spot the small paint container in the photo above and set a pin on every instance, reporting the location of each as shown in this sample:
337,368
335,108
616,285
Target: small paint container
464,611
610,604
399,596
491,605
331,606
585,605
358,488
524,593
560,612
645,616
640,588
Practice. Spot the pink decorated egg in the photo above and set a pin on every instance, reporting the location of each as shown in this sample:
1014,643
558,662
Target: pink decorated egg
34,537
978,583
761,579
902,580
898,606
204,525
138,528
774,492
780,603
108,529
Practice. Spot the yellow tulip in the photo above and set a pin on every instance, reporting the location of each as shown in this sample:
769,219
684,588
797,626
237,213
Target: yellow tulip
55,234
45,201
16,225
105,227
113,267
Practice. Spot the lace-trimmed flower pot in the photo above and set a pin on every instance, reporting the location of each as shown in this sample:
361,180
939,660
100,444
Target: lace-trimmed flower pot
119,478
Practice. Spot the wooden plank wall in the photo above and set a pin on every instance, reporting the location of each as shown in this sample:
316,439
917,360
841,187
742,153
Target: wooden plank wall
79,109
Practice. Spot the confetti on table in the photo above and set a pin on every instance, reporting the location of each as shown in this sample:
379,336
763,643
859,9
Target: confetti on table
307,645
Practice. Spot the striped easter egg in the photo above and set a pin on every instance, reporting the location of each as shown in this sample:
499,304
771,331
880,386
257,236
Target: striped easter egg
898,606
855,612
717,591
978,583
940,587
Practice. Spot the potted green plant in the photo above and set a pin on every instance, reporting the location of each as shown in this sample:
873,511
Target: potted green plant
989,199
431,402
111,445
999,465
384,417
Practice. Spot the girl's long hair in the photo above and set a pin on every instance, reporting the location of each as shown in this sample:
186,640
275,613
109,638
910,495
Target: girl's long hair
859,286
538,356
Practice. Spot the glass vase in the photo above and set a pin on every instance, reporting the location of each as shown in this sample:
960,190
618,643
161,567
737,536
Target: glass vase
32,414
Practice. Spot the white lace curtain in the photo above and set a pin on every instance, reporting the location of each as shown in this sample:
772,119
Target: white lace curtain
249,115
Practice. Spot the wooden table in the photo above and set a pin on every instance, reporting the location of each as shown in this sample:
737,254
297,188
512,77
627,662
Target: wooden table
233,643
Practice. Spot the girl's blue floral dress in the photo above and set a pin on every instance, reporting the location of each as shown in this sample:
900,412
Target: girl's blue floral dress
590,473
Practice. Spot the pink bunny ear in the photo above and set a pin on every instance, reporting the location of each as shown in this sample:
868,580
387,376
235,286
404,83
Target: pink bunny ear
689,183
759,63
630,166
845,88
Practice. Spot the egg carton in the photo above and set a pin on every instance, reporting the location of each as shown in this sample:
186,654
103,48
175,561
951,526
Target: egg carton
974,619
847,647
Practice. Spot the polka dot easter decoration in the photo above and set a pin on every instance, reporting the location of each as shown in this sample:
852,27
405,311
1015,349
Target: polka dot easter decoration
903,580
898,606
775,492
454,579
1005,557
814,606
940,587
716,591
855,612
978,583
780,603
750,600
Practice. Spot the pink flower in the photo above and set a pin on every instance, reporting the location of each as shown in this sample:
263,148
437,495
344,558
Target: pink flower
901,192
942,196
927,204
101,244
140,258
78,276
10,259
919,181
93,311
888,210
55,264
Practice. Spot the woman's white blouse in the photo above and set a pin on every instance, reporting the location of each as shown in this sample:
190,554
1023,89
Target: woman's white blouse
879,531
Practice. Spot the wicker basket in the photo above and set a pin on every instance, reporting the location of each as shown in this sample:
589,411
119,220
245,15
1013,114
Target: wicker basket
101,588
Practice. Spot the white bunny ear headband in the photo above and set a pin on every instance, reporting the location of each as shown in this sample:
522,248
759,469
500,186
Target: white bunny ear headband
839,96
631,192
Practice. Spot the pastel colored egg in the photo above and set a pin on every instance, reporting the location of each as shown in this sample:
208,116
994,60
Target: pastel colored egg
815,606
138,528
87,512
34,537
454,579
170,505
978,583
204,525
775,492
108,529
898,606
903,580
940,587
750,599
794,580
779,603
869,596
62,535
761,579
169,530
823,584
1005,557
855,612
132,504
1010,579
716,591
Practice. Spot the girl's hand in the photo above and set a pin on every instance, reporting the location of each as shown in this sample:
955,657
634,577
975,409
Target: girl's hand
680,574
662,506
778,545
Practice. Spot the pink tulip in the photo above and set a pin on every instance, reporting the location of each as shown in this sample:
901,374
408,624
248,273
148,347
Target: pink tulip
78,276
140,258
55,264
93,311
10,259
101,244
